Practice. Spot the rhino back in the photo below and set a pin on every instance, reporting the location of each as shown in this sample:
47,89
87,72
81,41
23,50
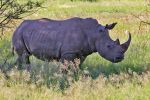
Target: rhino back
79,35
41,39
48,39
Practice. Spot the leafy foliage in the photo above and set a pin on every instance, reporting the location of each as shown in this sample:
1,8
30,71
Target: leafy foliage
11,9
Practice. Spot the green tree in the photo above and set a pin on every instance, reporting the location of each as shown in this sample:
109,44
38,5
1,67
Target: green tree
11,9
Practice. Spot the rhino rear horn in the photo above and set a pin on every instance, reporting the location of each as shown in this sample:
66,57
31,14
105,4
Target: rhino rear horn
117,41
126,44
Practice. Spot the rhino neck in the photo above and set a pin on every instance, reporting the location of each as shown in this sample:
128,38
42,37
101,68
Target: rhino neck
90,41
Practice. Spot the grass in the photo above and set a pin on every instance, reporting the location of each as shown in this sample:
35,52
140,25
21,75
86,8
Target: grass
101,79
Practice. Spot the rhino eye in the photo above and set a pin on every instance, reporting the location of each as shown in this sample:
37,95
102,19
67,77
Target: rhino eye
109,46
101,30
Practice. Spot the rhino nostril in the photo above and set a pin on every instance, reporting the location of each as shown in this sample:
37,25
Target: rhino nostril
118,58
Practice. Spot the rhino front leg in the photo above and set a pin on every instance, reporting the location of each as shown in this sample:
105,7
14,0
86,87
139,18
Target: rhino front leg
71,57
65,59
82,59
68,57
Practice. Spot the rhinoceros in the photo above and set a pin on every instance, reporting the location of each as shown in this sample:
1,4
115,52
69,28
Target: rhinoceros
68,39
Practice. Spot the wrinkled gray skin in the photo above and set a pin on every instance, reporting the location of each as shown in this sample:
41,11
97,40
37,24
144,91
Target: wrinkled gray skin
68,39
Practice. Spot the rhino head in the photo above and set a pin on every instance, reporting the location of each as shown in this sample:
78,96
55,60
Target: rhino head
108,48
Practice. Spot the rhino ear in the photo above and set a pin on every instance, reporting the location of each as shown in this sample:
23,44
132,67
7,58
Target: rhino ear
110,26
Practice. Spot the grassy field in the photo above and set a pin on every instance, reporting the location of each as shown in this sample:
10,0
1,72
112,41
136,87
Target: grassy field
100,79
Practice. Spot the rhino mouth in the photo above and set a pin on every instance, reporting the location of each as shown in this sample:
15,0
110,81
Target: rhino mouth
118,59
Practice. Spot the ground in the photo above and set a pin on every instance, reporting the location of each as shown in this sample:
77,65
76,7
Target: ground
129,79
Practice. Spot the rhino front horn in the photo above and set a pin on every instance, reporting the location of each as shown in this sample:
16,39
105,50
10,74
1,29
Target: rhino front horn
127,43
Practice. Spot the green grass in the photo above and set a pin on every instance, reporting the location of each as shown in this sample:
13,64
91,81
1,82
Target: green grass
101,79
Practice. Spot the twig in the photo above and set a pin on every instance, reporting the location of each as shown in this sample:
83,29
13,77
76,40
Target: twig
141,21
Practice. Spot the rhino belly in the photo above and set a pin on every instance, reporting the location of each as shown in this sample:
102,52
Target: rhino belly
46,52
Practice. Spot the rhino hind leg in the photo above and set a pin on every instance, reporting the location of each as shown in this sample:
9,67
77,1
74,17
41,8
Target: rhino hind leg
23,55
23,59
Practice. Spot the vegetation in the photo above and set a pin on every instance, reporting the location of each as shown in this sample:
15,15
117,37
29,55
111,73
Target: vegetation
10,10
99,79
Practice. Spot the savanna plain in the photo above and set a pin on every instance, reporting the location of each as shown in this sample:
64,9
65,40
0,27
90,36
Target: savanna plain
98,79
